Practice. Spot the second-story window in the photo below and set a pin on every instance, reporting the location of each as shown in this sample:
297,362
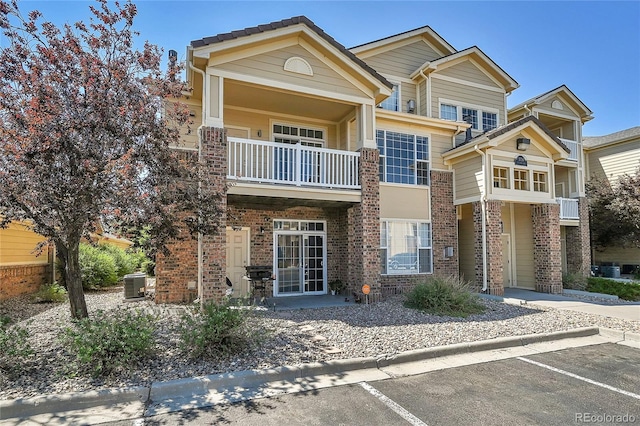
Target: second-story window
404,158
540,181
291,134
392,103
500,177
521,179
489,121
449,112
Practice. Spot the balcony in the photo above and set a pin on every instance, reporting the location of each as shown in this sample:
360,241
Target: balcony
256,161
568,208
573,146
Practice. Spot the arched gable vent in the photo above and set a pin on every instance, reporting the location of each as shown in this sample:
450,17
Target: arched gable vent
556,104
298,65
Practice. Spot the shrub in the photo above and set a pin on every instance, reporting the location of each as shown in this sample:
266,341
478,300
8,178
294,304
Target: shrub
626,291
214,330
14,344
445,297
106,343
51,293
574,281
98,268
124,262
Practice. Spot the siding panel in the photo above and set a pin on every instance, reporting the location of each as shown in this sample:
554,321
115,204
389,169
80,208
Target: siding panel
404,60
525,271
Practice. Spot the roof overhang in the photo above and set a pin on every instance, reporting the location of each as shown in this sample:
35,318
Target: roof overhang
391,42
530,126
490,67
565,94
292,30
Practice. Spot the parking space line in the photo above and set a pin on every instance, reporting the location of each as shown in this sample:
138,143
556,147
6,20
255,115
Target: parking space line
393,405
584,379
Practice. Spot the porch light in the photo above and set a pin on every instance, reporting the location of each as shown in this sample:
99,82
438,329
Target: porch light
522,144
411,106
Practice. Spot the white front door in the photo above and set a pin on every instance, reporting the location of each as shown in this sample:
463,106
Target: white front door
237,259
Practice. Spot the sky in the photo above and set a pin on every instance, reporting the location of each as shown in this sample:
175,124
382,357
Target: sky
593,47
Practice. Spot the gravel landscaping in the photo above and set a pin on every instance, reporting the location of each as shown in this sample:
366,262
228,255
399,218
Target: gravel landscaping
287,338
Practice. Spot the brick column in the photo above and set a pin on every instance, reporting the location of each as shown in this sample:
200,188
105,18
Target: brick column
214,246
364,228
493,225
578,244
444,224
547,251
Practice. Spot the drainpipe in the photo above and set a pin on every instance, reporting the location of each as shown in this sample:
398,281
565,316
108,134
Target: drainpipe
204,85
483,204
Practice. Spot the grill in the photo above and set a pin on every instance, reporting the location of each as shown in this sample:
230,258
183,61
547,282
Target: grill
258,276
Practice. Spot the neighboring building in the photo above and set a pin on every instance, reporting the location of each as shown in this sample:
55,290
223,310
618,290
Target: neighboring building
23,269
611,156
382,165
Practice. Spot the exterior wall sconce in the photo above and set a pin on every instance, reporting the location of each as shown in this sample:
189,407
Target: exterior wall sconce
262,229
411,106
448,252
522,144
259,133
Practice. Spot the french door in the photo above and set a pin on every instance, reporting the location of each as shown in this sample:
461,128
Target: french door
300,259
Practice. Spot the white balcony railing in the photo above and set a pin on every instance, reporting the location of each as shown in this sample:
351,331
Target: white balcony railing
568,208
272,162
573,146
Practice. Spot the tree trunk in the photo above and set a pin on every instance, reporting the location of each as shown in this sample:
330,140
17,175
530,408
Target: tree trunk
73,279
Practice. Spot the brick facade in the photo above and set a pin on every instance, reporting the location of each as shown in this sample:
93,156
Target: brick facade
176,270
547,250
493,225
364,228
444,224
214,246
16,280
578,243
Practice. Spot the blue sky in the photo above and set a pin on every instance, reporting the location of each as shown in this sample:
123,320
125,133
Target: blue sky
593,47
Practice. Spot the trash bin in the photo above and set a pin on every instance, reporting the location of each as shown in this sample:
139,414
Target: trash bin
611,271
134,285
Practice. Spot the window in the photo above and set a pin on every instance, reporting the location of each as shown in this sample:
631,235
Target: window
405,247
285,133
540,181
500,177
448,112
471,115
392,103
521,179
489,121
403,158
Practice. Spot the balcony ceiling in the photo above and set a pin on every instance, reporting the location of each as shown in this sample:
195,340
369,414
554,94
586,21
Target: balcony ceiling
254,97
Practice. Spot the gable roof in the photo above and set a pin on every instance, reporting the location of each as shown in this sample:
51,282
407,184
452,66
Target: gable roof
585,111
296,20
433,36
475,52
621,136
486,138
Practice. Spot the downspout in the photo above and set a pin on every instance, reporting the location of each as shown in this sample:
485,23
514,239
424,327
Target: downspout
427,94
200,256
483,204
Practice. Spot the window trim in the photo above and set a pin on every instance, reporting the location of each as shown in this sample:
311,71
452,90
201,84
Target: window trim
419,246
460,105
398,97
311,141
382,165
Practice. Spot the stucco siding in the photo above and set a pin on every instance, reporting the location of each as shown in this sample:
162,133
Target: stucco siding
523,239
394,205
270,66
403,60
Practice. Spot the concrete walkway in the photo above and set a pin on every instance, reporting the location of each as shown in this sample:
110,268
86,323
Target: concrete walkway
626,311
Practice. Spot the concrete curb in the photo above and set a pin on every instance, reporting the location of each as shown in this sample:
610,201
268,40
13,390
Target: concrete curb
591,294
193,388
27,407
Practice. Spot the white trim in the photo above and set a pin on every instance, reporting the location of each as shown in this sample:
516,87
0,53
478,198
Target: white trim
393,78
298,125
556,113
303,90
298,65
467,83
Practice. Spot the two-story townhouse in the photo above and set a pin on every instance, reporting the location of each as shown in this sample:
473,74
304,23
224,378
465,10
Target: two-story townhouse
380,165
611,156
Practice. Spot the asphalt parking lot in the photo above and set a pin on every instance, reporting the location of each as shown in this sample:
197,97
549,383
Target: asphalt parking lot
597,384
